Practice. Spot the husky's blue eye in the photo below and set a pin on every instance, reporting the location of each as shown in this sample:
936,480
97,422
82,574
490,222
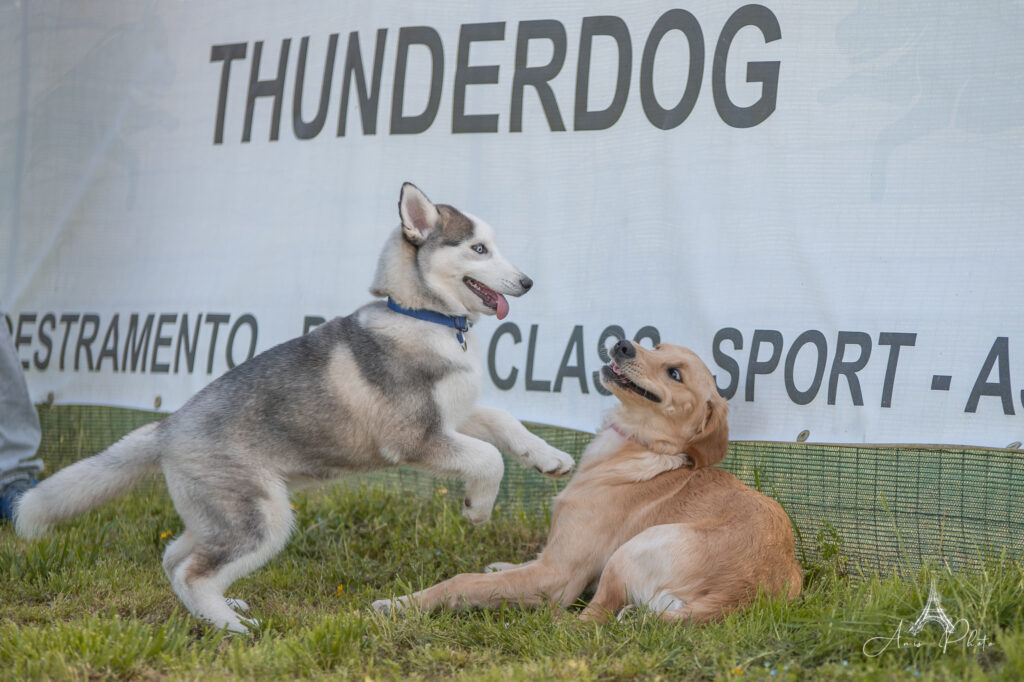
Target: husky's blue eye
674,373
479,248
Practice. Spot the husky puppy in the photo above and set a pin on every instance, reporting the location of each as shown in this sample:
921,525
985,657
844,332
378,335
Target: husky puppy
647,517
393,383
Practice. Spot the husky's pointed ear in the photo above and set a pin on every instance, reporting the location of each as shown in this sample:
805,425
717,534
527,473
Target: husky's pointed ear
711,442
419,216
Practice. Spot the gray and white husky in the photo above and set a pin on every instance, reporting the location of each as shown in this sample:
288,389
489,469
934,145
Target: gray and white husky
393,383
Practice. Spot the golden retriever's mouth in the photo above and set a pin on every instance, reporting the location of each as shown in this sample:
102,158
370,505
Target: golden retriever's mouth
491,298
612,374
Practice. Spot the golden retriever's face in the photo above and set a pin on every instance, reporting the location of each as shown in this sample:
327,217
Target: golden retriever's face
669,397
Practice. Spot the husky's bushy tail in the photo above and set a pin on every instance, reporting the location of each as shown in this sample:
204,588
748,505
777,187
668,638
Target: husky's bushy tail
87,483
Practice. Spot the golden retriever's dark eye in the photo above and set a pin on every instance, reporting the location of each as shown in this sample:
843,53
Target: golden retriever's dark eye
674,373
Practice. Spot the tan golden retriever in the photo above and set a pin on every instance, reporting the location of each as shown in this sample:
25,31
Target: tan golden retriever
647,514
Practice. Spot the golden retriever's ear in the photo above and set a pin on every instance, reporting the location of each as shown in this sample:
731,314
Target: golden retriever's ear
710,444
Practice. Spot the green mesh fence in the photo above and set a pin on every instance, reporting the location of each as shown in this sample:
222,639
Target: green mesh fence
867,508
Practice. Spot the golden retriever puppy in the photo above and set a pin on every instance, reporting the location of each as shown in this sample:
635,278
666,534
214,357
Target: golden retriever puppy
647,514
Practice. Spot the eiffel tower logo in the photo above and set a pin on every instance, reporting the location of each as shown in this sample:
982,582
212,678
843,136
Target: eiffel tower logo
933,613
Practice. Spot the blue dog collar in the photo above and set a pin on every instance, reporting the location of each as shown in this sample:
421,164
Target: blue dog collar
456,322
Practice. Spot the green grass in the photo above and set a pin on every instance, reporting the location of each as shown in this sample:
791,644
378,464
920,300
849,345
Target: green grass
91,602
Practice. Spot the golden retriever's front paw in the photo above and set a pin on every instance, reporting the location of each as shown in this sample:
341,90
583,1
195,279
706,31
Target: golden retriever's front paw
388,606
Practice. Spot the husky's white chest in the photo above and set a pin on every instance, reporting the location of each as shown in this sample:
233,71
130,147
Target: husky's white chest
456,392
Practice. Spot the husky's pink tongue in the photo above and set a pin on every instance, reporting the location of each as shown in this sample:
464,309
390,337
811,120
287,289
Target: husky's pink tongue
502,306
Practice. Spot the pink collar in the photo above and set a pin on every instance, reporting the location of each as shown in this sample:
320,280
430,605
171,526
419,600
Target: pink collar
618,429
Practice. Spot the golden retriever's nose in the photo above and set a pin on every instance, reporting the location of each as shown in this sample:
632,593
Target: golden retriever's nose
623,350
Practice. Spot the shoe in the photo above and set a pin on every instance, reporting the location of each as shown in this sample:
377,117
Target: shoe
9,496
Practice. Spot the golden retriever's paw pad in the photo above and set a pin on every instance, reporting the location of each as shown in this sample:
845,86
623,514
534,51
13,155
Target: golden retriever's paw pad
388,606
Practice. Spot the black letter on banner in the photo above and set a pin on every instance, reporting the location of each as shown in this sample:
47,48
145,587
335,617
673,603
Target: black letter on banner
579,370
895,340
766,73
229,354
1000,353
19,338
109,347
849,369
216,319
368,99
86,342
755,366
137,342
428,37
44,338
726,362
67,319
617,29
680,20
303,130
508,382
537,76
160,340
474,75
190,348
311,322
613,332
650,333
226,54
531,384
270,88
812,336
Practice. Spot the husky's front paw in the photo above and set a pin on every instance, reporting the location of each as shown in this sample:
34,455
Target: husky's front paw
477,512
550,461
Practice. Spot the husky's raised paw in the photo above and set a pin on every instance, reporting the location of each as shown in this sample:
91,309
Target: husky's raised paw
550,461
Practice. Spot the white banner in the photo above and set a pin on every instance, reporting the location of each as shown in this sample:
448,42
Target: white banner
822,199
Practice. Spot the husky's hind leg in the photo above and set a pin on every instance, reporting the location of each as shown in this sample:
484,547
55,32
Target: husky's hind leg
176,553
226,540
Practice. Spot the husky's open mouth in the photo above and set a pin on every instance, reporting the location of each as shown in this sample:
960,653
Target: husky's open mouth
613,373
492,299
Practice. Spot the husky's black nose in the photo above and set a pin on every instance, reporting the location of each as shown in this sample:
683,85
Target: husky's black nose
624,350
526,283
